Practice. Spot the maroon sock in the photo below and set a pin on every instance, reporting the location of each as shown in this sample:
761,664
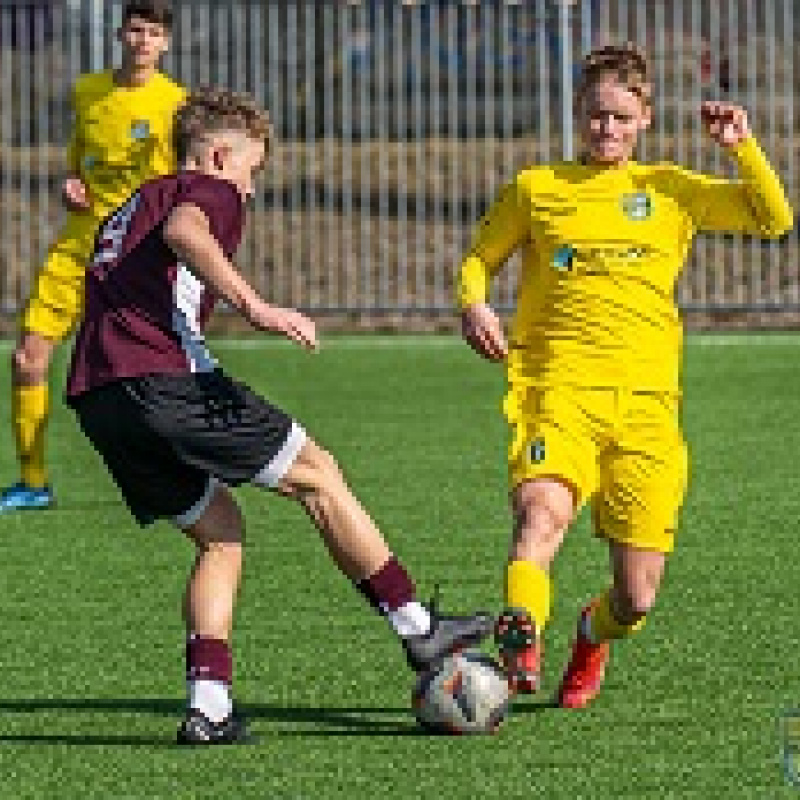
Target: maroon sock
208,659
389,588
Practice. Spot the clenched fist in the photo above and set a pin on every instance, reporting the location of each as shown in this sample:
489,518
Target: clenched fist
725,123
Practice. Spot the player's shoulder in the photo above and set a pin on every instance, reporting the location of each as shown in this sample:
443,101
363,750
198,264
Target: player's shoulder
171,91
191,182
188,186
664,170
670,178
547,177
158,197
90,84
219,199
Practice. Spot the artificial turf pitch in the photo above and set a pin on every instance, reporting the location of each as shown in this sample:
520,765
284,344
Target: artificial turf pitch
91,659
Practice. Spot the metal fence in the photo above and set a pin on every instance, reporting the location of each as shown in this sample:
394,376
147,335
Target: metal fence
397,123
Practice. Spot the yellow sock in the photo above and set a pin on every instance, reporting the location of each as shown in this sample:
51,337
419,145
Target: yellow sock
528,587
31,411
602,625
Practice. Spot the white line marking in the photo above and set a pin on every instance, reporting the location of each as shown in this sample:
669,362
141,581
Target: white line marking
369,341
337,342
743,339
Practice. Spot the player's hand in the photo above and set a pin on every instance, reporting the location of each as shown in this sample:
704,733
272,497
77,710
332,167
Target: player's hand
725,123
482,329
75,194
292,324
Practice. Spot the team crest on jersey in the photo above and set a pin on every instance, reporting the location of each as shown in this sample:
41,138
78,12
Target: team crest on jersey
89,161
638,206
140,129
536,451
562,258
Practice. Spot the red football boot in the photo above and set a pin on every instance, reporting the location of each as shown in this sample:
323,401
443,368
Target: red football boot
586,669
520,650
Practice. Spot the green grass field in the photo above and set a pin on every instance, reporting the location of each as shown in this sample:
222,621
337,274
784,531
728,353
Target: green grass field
91,662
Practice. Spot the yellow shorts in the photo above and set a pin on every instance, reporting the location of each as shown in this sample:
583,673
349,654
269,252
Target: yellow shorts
56,303
619,448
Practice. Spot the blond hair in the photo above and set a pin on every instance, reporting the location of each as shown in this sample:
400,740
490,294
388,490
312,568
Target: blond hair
626,61
208,111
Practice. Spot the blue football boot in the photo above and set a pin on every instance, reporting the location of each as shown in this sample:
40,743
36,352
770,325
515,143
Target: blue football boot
20,497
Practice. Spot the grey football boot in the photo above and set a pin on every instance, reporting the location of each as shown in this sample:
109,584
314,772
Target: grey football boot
448,634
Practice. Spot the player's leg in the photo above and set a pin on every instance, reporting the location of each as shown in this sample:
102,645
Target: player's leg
30,408
551,466
642,485
30,364
616,614
359,549
543,510
144,456
52,312
209,603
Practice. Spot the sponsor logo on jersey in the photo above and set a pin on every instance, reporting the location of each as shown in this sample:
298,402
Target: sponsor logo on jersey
638,206
626,253
140,130
536,451
562,258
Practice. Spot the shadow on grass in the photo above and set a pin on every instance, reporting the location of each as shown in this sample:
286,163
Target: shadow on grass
72,506
344,721
530,707
348,721
83,739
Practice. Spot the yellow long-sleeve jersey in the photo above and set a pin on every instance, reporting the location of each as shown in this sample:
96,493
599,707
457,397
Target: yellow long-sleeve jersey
602,248
122,136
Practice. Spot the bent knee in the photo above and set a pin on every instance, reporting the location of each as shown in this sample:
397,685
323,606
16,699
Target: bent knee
315,471
635,600
545,507
323,461
220,523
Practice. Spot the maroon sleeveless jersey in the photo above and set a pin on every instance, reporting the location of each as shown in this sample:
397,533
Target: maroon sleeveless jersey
144,310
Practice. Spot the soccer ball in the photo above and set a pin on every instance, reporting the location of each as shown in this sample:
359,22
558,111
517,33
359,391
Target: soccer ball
465,693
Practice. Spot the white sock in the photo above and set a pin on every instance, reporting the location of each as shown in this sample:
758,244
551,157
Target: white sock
411,619
212,698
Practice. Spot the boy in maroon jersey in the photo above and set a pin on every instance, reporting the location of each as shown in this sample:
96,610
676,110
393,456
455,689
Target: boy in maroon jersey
175,431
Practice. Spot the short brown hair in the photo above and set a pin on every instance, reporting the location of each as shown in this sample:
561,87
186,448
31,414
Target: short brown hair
208,111
158,11
626,61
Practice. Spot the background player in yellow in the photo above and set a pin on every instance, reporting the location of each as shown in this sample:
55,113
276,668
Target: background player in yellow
122,137
595,350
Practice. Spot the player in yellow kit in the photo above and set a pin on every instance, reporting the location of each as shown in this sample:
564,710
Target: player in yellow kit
595,350
122,137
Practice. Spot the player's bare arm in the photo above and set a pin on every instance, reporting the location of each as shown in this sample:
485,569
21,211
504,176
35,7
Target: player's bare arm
188,235
483,330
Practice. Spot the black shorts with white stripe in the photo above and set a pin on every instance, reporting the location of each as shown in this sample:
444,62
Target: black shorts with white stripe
168,439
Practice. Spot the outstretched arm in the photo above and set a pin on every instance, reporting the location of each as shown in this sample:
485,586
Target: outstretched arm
188,234
755,203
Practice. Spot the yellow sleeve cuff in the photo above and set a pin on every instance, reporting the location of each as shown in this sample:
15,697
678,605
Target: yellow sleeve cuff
748,153
473,284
